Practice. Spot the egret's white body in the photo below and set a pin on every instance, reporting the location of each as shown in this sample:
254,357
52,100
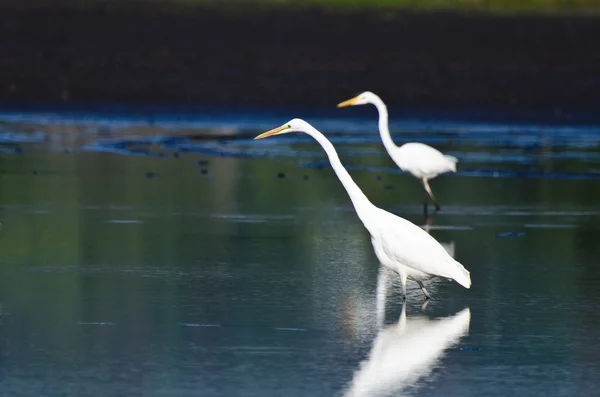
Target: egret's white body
420,160
399,244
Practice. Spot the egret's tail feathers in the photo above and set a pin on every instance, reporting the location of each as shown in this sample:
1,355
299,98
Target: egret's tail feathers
452,162
462,276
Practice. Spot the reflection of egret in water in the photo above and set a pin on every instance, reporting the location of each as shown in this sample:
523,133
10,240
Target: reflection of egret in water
405,352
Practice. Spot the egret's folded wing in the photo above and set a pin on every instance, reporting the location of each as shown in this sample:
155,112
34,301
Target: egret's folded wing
411,246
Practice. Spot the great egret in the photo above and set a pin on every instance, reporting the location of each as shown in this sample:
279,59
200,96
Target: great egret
398,243
422,161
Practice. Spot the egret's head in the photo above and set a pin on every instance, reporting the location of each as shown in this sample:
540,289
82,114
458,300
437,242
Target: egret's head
290,126
362,99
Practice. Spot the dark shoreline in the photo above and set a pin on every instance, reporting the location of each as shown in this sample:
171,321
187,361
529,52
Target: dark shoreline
304,57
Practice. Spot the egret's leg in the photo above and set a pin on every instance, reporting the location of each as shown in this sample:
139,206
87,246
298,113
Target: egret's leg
424,305
427,296
403,278
428,190
425,201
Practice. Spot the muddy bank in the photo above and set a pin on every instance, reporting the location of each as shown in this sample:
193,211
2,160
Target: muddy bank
196,56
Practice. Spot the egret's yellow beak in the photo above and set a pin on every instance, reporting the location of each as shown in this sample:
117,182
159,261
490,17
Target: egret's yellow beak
349,102
273,131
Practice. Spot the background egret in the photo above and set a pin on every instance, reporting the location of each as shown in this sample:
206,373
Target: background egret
398,243
422,161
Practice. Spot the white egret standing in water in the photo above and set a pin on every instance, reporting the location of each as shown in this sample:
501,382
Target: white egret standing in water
422,161
405,352
398,243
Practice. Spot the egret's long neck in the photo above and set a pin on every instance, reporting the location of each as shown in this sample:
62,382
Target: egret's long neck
359,200
384,129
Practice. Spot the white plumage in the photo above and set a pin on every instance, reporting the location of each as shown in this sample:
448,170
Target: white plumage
399,244
420,160
411,255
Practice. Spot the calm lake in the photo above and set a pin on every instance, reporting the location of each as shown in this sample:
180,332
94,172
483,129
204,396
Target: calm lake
178,257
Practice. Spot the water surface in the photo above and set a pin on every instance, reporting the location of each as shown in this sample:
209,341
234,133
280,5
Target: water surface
180,259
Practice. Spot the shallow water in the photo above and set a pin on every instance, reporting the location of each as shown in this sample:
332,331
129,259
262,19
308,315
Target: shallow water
183,258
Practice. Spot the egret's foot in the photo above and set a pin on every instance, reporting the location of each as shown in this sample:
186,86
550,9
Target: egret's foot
437,207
